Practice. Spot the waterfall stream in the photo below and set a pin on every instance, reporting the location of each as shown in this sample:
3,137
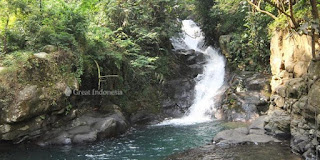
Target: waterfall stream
208,83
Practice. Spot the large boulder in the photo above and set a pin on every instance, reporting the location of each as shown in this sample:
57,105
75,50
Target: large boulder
30,102
32,95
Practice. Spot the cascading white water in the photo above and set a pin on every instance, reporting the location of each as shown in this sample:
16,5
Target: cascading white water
208,83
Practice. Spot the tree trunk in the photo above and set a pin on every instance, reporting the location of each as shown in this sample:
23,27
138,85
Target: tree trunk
5,45
40,5
315,15
295,24
313,43
314,10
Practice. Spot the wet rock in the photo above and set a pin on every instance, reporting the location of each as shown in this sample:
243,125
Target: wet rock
144,117
179,91
87,128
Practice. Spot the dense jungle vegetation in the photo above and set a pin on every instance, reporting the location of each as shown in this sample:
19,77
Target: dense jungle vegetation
131,37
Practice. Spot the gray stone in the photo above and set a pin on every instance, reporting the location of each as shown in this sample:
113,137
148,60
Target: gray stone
41,55
85,138
314,100
279,101
279,123
241,135
296,88
257,131
281,90
259,123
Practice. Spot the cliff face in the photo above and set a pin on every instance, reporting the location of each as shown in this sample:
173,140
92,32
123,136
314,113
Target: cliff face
295,104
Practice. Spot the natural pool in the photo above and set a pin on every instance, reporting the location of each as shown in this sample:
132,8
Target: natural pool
146,143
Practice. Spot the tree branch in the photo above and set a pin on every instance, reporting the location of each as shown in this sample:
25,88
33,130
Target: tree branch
260,10
284,12
278,8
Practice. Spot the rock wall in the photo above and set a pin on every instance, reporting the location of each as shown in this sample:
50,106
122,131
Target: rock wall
295,104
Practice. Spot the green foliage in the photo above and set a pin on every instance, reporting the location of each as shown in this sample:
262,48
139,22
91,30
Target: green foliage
227,13
128,38
202,9
249,46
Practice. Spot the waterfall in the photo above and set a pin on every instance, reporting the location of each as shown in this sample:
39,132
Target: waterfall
208,83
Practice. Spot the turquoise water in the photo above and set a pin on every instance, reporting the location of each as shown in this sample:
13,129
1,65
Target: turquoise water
148,143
